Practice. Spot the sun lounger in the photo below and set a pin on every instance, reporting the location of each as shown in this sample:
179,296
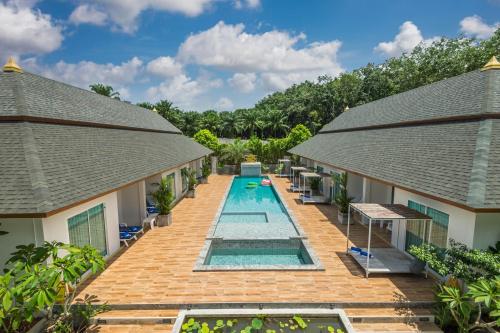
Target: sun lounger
132,229
125,237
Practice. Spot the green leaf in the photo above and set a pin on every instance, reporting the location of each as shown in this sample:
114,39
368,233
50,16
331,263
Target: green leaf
257,323
7,301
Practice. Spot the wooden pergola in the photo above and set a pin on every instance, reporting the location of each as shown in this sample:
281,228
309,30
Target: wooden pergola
374,211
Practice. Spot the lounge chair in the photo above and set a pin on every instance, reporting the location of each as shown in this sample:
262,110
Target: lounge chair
125,237
135,229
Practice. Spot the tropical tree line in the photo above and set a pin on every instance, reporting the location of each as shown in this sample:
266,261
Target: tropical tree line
268,151
314,104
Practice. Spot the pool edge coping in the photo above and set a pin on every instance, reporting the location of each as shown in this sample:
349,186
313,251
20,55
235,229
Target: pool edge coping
199,265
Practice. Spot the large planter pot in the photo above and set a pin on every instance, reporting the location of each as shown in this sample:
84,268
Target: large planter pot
417,266
191,193
164,220
204,180
343,218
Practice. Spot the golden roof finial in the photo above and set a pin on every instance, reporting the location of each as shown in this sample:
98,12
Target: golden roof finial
346,108
12,66
492,64
154,109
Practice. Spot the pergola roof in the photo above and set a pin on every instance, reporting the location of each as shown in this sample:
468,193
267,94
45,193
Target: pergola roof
298,168
376,211
314,175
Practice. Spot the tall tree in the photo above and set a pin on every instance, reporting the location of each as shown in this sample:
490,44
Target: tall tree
105,90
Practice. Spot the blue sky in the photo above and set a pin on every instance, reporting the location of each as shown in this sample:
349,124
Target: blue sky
223,54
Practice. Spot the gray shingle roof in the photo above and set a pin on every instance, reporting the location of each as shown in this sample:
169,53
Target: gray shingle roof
458,161
48,166
461,95
26,94
45,167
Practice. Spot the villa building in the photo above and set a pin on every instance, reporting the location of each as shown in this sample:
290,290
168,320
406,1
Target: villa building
75,164
435,149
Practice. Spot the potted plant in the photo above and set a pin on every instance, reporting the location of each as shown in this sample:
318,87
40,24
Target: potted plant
342,199
191,176
315,182
205,172
164,198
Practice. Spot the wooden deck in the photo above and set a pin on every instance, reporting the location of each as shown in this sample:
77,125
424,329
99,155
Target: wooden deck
158,268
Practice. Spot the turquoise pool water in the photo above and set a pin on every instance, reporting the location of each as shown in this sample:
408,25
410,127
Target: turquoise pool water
259,200
256,256
254,231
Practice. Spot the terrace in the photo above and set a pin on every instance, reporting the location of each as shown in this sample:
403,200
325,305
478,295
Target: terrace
157,271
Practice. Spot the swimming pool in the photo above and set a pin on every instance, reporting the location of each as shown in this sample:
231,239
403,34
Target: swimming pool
254,229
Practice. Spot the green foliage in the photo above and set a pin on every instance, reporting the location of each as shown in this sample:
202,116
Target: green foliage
298,134
234,153
206,168
476,309
206,138
315,104
191,178
105,90
315,182
41,276
342,199
459,261
163,197
494,249
431,255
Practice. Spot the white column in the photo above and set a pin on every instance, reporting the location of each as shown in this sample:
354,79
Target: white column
213,159
348,224
366,190
369,245
142,200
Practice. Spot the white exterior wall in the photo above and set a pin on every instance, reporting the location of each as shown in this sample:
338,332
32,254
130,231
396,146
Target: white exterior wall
55,227
487,230
21,231
461,223
355,187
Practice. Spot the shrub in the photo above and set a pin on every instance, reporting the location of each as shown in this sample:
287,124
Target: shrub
297,135
206,138
40,277
163,197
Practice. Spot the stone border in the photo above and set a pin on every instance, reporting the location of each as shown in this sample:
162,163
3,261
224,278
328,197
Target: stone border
200,266
254,312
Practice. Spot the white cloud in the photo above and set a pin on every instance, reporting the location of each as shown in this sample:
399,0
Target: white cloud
224,104
88,14
84,73
182,90
406,40
240,4
24,30
474,26
243,82
164,66
273,53
124,13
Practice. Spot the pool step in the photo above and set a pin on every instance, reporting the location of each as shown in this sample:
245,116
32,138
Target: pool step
394,320
131,328
136,317
389,315
396,328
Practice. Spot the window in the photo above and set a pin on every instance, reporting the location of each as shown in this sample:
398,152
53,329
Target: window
335,188
171,183
89,228
185,179
439,232
418,230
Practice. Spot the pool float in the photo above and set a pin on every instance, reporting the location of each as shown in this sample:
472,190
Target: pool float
252,185
266,182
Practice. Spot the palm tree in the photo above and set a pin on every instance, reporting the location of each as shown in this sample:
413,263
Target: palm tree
251,121
104,90
234,152
276,122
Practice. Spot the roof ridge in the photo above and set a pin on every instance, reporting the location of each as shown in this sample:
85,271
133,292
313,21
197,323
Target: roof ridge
479,171
39,185
380,100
